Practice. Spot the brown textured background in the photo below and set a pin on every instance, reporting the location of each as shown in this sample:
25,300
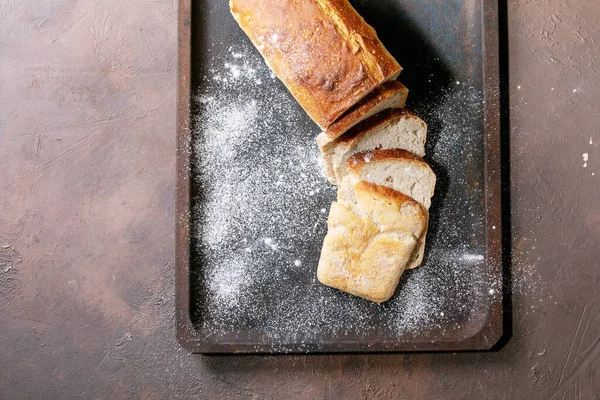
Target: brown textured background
87,172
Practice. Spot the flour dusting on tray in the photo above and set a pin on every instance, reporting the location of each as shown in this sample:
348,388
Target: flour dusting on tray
261,202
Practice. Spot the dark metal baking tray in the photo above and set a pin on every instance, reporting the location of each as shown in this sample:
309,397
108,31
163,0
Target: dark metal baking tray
249,287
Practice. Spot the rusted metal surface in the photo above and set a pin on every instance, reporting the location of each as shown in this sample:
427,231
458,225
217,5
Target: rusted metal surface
87,237
208,25
182,304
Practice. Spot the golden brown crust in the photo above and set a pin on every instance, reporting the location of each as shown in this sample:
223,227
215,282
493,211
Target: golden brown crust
390,195
369,244
363,264
322,50
375,122
355,114
358,160
336,153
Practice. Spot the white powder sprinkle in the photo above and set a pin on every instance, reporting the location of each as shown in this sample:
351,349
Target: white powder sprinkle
261,215
227,281
270,243
473,257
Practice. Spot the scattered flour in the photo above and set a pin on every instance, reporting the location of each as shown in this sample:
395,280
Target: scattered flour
260,212
227,282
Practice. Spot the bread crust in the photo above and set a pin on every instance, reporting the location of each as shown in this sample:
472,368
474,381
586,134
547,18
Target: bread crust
419,216
369,244
388,194
322,50
366,127
359,160
375,122
357,113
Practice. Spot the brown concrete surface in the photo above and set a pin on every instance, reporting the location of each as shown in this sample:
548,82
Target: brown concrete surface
87,172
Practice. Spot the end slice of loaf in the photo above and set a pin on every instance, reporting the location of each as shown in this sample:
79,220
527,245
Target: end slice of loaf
370,242
323,51
394,128
396,169
390,94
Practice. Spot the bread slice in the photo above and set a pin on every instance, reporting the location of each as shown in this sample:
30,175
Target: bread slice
394,168
396,128
390,94
370,242
322,50
397,169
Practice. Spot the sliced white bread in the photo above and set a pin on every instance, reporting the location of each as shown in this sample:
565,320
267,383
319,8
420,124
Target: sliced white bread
394,168
390,94
395,128
398,170
369,243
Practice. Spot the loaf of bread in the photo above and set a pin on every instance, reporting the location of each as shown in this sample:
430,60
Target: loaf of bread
335,66
390,94
370,242
396,128
322,50
396,169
